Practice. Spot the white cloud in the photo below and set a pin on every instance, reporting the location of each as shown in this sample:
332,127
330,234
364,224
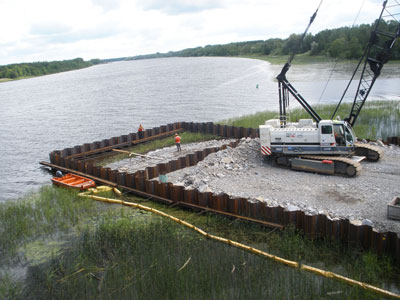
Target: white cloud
55,29
176,7
107,5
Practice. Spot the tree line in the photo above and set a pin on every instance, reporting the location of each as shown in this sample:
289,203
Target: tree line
343,43
43,68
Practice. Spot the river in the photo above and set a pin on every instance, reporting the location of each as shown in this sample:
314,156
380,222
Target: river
62,110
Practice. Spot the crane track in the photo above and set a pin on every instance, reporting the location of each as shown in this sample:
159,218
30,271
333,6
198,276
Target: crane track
372,153
343,165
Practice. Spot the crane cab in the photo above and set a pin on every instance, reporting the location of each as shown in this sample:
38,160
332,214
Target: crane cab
344,135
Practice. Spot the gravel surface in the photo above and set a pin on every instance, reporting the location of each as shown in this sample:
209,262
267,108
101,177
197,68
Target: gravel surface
240,172
164,155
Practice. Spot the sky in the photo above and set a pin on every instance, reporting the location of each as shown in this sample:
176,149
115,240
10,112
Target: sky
48,30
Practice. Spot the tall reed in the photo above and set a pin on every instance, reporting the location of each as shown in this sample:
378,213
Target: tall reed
159,260
378,119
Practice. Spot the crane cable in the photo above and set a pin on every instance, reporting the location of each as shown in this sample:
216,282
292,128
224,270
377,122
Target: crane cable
300,45
337,59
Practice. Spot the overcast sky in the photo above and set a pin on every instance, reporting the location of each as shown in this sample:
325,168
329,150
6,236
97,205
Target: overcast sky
46,30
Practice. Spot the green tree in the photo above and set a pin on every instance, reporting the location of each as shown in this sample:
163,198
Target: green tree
354,48
338,48
292,44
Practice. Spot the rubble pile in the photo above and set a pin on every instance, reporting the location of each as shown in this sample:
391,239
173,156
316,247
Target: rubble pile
241,172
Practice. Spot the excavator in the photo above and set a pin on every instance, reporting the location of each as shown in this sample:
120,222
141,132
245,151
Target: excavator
330,146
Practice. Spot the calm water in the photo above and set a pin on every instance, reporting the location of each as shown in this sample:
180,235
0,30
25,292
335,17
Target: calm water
42,114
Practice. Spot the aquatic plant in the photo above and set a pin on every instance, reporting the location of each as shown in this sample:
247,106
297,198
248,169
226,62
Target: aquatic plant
378,119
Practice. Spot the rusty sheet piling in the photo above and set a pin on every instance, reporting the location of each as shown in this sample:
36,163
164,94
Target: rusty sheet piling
80,160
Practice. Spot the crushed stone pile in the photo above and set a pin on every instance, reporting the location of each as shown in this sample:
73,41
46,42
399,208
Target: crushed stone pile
241,172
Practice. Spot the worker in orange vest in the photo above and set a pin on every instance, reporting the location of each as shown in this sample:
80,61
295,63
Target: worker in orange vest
140,130
178,142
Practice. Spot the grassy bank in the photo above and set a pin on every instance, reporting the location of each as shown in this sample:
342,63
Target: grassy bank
302,59
112,252
186,138
18,78
299,59
378,119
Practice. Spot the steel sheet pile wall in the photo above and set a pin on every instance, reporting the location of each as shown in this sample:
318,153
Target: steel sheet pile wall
395,140
314,226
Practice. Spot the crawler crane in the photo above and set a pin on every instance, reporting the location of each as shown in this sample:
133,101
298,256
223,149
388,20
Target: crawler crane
330,146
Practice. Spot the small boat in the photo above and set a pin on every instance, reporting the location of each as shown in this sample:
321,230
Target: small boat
73,181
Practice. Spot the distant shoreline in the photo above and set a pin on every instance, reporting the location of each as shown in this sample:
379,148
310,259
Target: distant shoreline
35,69
300,59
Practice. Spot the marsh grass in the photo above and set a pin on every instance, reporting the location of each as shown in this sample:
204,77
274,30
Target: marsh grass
49,213
186,138
378,119
121,253
10,288
160,260
39,214
292,244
